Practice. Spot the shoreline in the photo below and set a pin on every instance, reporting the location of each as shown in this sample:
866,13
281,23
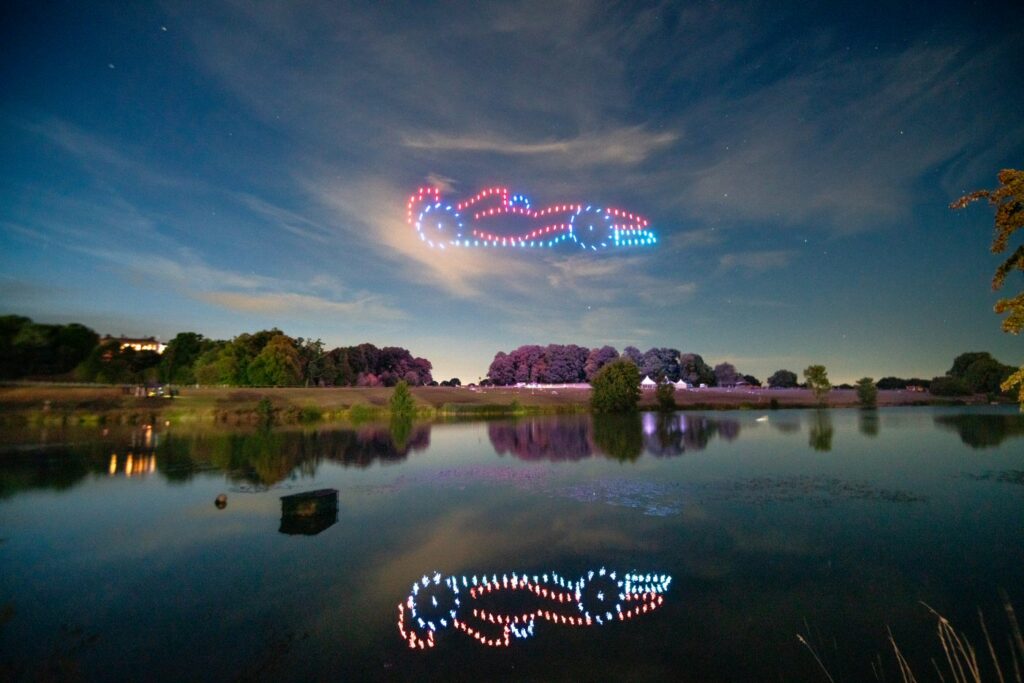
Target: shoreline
83,405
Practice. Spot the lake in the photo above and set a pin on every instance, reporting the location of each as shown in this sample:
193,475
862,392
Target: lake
729,533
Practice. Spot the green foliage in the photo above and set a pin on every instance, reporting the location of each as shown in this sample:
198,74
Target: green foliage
34,349
217,365
782,379
402,403
276,365
986,375
110,364
964,361
817,381
1015,380
310,414
616,387
665,394
972,373
867,392
1008,199
949,386
178,361
363,413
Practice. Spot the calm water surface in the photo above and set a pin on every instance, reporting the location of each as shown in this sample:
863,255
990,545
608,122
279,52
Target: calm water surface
116,564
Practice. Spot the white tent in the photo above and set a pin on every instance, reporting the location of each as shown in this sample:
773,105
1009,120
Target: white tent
681,385
648,383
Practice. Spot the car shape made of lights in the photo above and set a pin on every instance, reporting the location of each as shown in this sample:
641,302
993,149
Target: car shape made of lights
496,218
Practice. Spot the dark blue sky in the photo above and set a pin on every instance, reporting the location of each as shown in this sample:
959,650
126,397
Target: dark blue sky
228,166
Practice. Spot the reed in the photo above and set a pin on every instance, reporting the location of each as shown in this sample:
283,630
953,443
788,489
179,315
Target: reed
960,662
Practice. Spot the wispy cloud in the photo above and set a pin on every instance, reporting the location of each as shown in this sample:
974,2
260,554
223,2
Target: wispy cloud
755,262
625,146
374,212
838,143
303,304
297,224
247,293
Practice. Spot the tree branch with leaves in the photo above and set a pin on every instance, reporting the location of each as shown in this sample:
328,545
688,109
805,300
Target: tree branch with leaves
1008,200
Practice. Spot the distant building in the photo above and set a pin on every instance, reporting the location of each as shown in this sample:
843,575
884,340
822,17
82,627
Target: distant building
137,343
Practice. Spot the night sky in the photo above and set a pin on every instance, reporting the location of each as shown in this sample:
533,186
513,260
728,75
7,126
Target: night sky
224,167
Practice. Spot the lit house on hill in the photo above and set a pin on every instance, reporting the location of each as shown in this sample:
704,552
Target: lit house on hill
139,343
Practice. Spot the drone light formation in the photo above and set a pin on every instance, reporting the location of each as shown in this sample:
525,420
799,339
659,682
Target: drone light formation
469,223
598,598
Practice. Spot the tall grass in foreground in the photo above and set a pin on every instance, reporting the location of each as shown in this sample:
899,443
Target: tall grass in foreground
960,661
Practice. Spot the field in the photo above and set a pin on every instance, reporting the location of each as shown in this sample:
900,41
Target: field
98,404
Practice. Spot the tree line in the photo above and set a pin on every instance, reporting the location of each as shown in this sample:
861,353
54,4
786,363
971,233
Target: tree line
570,364
263,358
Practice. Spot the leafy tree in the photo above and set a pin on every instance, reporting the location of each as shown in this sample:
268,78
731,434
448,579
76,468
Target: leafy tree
817,381
402,404
1008,199
72,343
344,376
867,392
527,361
277,364
178,361
964,361
110,364
726,375
563,364
986,375
633,354
503,370
616,387
660,362
217,365
949,386
782,379
693,370
10,364
315,366
597,359
28,348
751,380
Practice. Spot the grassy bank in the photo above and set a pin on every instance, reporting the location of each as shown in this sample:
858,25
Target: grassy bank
51,404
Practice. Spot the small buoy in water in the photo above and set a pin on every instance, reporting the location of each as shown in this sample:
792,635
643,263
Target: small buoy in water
222,501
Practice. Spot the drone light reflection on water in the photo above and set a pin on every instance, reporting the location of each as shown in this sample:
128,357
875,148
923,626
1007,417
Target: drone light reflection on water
471,223
597,598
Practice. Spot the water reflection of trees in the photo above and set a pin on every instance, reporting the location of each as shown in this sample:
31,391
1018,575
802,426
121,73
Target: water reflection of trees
983,431
669,435
261,458
821,431
267,457
868,422
620,437
544,438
